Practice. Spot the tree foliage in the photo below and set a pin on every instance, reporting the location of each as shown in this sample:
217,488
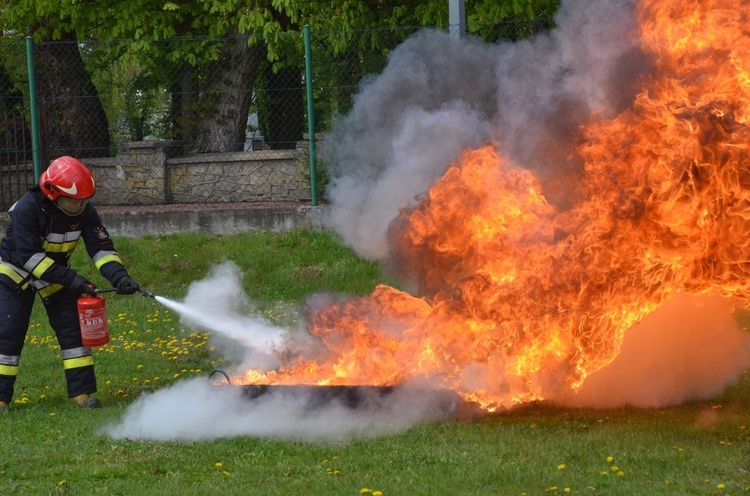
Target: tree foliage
263,20
169,46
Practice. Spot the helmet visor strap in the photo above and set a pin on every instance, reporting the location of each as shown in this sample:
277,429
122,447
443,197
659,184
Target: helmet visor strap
71,206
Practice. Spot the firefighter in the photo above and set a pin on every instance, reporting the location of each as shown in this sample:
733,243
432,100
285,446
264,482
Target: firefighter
46,224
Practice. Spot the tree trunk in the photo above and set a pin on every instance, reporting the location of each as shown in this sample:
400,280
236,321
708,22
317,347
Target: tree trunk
285,110
226,96
182,110
69,106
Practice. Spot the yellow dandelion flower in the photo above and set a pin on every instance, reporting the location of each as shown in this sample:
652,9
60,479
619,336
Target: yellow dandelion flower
620,473
566,489
561,466
720,486
615,468
219,464
610,459
365,490
226,474
377,493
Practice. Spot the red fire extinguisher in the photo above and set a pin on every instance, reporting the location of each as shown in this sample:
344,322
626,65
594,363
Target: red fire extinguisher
92,315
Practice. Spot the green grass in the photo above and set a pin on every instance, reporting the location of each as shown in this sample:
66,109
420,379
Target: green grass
48,446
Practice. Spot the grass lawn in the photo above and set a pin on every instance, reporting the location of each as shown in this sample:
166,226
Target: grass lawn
49,446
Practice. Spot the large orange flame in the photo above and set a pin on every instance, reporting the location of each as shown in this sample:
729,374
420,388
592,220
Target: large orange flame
519,298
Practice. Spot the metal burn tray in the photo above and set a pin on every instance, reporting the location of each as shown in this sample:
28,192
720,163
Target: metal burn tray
349,396
435,404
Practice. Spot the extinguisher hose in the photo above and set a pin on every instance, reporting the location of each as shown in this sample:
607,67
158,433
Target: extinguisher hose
111,290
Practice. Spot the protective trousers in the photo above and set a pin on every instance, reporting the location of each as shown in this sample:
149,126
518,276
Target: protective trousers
62,313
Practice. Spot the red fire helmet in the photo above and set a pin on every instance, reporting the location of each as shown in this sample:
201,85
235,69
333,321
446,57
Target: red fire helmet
67,177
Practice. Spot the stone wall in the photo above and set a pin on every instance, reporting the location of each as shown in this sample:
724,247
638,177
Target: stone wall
148,173
14,181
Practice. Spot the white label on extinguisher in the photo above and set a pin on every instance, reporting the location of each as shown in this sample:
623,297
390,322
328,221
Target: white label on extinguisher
92,322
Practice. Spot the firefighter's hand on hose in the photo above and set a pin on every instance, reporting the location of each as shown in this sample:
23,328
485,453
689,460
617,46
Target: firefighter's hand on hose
127,286
81,285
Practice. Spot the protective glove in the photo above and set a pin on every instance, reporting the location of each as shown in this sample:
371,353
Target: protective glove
79,284
127,286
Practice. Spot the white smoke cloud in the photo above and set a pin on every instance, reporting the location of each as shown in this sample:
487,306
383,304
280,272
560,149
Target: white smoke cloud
690,348
216,304
195,410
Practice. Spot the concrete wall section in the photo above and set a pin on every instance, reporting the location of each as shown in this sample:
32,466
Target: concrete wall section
134,224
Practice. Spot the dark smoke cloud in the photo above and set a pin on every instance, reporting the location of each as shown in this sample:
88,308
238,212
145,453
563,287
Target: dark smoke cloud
431,102
439,95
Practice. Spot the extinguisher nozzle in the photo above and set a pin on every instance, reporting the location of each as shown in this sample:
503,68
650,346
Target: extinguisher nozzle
147,293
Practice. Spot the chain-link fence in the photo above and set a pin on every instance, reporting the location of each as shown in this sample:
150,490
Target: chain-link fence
194,120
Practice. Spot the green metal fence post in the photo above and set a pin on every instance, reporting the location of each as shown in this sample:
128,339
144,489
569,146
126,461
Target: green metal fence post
35,147
310,118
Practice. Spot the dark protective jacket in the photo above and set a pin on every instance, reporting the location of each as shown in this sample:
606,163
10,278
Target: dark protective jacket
37,246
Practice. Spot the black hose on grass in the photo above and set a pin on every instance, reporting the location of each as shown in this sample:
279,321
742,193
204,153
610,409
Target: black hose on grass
218,371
